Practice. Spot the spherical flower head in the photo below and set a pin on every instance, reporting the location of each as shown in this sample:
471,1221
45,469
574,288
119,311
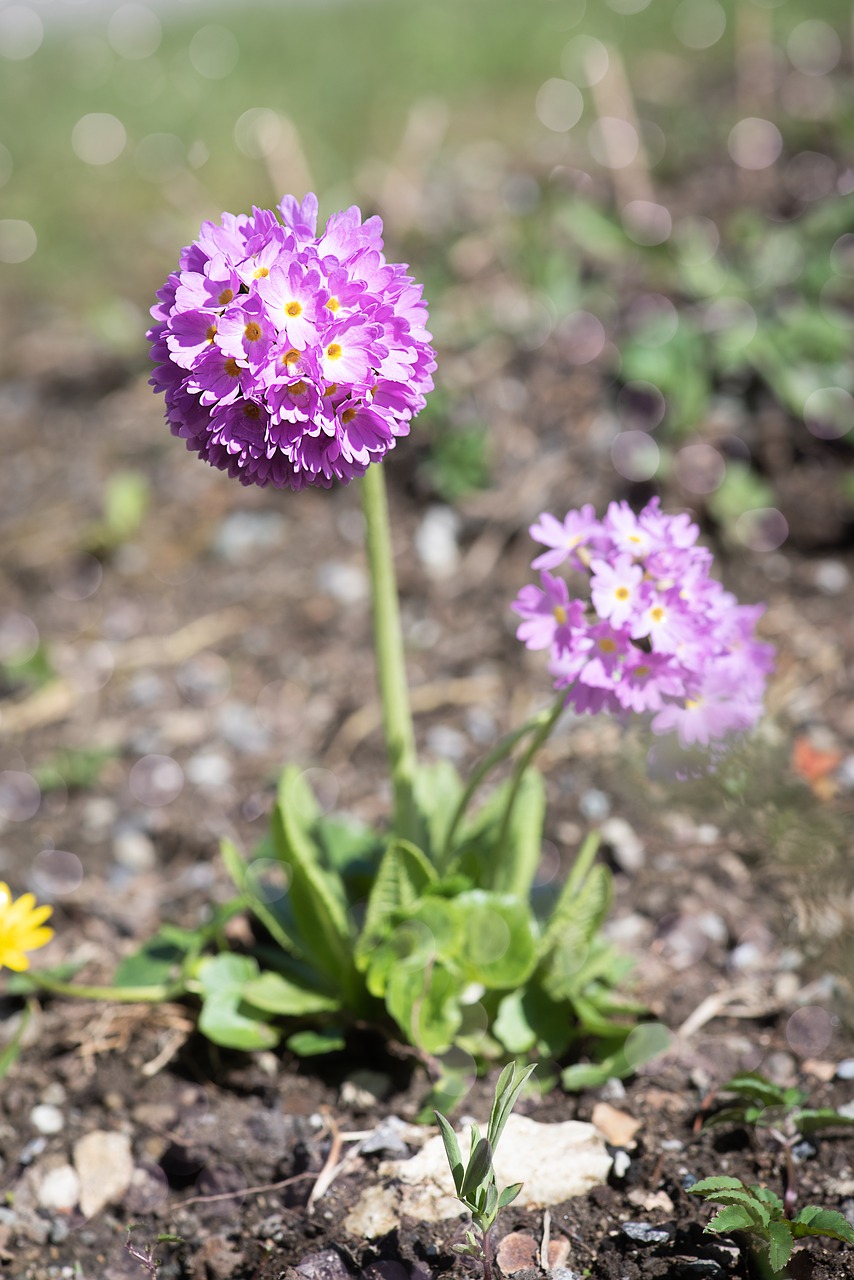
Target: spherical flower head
289,357
651,632
22,928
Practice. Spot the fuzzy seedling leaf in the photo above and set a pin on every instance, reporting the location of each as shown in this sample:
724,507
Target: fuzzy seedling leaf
452,1150
509,1194
479,1168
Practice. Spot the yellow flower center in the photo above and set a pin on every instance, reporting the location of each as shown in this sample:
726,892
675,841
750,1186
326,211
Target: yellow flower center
560,614
293,309
333,304
622,593
348,415
252,331
691,703
210,332
607,645
334,351
642,672
298,389
331,389
657,614
232,368
225,296
261,273
291,356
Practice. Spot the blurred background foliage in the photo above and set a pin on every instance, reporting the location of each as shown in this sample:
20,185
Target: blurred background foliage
662,188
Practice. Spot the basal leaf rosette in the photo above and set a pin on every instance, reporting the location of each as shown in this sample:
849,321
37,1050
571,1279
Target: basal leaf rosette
287,357
639,625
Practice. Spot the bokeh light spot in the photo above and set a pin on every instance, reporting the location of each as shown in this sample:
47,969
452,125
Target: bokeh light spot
21,32
762,530
214,52
640,406
842,255
652,320
646,222
635,455
613,142
646,1041
156,780
18,240
268,879
810,175
559,105
581,337
699,468
19,638
204,680
325,786
809,1031
829,413
20,796
134,31
76,577
258,132
814,48
98,138
697,238
754,143
584,60
699,24
56,872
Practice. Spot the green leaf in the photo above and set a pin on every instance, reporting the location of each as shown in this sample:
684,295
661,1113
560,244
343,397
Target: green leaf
514,866
750,1084
498,944
316,894
12,1050
223,1019
511,1082
437,789
512,1025
403,875
311,1044
734,1218
425,1004
779,1245
478,1170
275,994
720,1182
815,1221
238,869
156,961
452,1150
812,1119
509,1194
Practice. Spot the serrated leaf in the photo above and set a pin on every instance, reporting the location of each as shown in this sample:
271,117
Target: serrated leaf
733,1218
769,1198
403,875
815,1221
780,1245
720,1182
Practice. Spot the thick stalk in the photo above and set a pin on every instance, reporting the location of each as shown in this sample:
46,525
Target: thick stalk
388,646
154,994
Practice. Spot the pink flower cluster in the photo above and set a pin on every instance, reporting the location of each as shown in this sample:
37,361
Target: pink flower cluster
654,632
286,357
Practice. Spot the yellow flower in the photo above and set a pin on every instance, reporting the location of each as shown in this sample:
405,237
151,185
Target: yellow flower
21,928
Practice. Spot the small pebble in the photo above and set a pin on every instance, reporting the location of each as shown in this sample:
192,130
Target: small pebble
59,1189
447,743
208,770
134,850
436,542
845,1069
595,805
243,534
325,1265
647,1233
345,583
47,1119
625,844
831,577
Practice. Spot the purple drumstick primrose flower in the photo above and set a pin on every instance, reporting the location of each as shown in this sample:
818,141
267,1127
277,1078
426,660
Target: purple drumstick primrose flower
287,357
652,631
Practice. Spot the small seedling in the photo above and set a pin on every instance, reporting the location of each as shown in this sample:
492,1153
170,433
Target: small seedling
782,1113
475,1182
761,1214
145,1255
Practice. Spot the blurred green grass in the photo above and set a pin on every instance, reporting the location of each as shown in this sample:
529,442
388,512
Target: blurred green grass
347,73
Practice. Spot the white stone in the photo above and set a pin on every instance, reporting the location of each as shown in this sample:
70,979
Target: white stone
47,1119
436,541
105,1166
553,1161
59,1189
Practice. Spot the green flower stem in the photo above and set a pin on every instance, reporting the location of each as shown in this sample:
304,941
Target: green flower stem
155,994
541,735
388,645
494,757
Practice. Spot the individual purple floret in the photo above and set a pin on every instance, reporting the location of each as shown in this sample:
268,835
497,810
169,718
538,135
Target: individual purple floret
286,357
647,629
